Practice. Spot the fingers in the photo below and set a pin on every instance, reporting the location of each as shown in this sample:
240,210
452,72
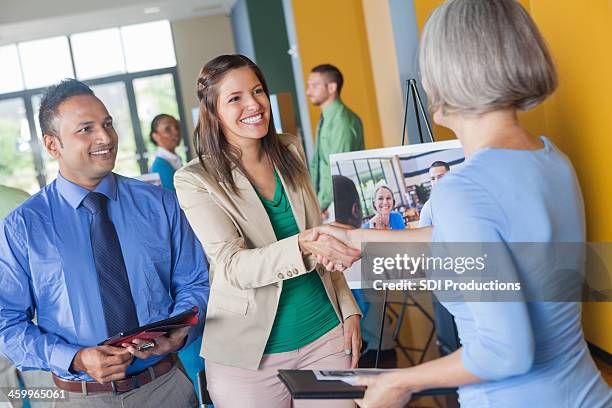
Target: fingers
359,403
143,354
341,256
336,232
356,346
136,342
348,335
339,267
119,375
113,356
331,243
330,264
333,254
118,359
112,350
364,381
179,334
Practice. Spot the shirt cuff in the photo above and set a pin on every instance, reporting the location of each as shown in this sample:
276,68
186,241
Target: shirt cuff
61,359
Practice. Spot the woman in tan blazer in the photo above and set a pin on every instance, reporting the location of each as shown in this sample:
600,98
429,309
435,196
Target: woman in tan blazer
249,200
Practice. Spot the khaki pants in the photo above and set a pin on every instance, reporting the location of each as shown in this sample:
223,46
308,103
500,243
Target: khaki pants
8,380
172,389
232,387
31,379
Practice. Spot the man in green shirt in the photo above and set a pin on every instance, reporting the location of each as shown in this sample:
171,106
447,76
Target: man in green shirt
339,129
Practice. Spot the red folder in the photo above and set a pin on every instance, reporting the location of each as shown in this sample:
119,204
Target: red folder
156,329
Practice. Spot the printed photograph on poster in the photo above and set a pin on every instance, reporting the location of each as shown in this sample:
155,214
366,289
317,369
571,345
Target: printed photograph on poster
389,188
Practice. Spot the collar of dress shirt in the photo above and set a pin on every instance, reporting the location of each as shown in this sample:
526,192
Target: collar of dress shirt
331,110
75,194
174,160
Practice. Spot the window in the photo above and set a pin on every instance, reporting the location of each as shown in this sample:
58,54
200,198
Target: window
139,55
10,80
45,62
114,97
155,95
134,83
16,159
97,53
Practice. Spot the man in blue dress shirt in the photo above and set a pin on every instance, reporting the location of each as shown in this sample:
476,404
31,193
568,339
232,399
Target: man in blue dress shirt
437,170
95,253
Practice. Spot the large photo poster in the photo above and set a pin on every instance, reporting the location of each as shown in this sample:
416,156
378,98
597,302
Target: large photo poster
389,188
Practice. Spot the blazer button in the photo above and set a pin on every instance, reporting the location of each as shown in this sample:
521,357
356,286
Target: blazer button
296,271
289,274
280,276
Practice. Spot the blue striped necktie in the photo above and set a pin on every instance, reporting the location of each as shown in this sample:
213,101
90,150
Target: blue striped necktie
117,302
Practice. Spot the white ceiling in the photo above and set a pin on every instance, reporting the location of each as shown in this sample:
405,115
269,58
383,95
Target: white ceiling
23,20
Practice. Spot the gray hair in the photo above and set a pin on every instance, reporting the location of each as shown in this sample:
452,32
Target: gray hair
477,56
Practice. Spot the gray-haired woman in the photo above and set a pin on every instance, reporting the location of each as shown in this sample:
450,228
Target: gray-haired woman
481,62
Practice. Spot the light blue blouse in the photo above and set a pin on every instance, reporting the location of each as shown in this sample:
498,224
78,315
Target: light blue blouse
528,354
396,221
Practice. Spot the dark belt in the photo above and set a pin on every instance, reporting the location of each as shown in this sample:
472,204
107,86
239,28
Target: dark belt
127,384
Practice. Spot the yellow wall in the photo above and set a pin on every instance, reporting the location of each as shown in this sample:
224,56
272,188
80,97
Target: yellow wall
578,117
387,83
334,32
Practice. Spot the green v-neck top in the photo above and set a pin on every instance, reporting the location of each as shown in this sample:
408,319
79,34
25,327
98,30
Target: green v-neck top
304,312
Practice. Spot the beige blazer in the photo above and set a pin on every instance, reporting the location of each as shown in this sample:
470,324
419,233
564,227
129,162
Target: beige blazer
247,264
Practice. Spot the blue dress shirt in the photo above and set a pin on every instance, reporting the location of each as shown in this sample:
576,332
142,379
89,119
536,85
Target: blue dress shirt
47,266
425,215
527,354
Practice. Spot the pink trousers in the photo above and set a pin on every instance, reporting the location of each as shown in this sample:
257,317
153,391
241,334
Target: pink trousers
232,387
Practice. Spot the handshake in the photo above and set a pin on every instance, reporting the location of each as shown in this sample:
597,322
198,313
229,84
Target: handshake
336,246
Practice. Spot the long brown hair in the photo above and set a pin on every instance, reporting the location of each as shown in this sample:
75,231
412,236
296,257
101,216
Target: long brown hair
216,155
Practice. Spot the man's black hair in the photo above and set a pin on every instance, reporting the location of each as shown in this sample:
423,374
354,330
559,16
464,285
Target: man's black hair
332,73
440,163
52,99
347,209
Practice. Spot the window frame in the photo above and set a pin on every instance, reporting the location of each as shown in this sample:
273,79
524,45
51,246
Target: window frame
127,79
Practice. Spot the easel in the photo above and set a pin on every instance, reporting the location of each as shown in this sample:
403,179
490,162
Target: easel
418,109
408,301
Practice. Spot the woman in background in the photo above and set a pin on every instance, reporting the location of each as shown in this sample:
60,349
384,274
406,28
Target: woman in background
385,218
249,200
481,62
166,135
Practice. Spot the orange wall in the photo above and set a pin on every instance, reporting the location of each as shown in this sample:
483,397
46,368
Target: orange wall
334,32
578,117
